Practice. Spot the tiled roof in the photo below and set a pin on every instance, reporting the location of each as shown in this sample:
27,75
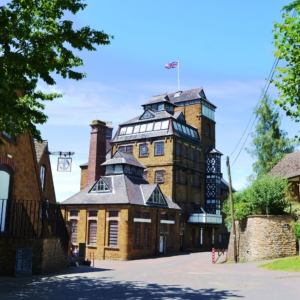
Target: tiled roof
159,99
289,166
39,149
125,189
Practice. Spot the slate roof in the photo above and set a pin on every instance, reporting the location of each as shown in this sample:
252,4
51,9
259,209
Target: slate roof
123,158
188,95
158,115
125,189
159,99
39,149
289,166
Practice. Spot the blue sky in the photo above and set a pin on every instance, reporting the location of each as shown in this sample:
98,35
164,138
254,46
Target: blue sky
224,46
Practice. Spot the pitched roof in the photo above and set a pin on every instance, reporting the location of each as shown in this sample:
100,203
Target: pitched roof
39,149
124,189
182,96
123,158
289,166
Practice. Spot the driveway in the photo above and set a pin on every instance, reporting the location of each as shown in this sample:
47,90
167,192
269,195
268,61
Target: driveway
186,276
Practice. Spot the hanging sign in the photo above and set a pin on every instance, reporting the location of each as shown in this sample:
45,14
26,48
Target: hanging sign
64,164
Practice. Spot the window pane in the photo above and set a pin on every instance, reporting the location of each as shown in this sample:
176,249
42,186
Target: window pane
129,149
165,125
149,127
93,213
73,213
143,128
113,213
122,148
159,148
157,126
144,150
123,131
137,129
74,231
159,176
179,127
92,232
118,169
161,106
127,169
129,130
113,233
175,125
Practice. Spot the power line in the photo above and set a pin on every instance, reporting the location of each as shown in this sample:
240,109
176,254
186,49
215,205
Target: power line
263,95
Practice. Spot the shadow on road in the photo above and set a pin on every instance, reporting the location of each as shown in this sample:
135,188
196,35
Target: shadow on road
84,287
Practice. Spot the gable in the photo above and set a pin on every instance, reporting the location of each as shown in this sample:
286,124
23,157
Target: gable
202,94
157,197
181,117
100,187
146,115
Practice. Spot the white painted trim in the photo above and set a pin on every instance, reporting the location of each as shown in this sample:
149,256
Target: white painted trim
113,219
73,218
167,221
141,220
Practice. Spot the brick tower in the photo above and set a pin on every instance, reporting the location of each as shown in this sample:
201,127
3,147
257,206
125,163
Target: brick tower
97,151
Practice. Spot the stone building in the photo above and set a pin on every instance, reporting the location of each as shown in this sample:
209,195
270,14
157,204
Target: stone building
29,216
120,216
289,167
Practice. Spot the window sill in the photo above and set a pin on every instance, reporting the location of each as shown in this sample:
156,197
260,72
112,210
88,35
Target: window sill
91,245
111,247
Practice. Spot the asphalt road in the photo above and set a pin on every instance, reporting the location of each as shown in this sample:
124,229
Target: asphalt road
187,276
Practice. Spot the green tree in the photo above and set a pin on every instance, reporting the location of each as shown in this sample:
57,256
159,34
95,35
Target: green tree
269,194
269,142
287,48
36,43
265,195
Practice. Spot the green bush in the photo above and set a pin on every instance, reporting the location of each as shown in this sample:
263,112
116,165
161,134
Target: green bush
268,194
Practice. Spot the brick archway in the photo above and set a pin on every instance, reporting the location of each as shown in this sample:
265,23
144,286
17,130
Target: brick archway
8,161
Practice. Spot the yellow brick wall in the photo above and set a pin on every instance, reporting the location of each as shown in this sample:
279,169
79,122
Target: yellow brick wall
126,230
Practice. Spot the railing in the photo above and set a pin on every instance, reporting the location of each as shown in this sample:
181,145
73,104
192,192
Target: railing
30,218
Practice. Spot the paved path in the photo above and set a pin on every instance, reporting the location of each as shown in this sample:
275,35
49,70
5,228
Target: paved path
190,276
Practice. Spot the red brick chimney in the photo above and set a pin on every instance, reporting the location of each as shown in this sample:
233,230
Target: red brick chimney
97,151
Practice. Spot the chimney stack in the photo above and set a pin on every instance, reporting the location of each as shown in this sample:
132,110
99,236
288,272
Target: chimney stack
97,151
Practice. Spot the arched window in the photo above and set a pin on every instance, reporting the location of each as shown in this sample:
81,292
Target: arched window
207,130
5,175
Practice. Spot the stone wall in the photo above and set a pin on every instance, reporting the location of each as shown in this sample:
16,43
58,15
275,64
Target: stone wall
263,237
48,255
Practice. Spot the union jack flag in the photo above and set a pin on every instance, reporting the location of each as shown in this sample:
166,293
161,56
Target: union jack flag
172,65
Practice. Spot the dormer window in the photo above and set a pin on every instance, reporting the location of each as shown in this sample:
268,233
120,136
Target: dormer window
156,197
118,169
100,187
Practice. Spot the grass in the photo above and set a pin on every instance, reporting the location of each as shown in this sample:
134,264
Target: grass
290,264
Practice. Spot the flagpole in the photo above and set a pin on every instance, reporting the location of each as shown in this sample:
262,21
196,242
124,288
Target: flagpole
178,76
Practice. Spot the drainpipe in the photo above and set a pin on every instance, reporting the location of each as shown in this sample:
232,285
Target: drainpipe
156,231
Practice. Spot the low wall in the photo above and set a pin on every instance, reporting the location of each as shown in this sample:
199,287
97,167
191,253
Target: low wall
48,254
263,237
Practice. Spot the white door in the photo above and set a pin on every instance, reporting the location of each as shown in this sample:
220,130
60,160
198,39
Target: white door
162,244
4,189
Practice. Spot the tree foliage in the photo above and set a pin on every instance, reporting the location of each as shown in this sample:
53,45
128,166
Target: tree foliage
287,48
269,142
267,195
36,42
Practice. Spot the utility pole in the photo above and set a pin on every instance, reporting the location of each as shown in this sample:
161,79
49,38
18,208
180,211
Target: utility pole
232,213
